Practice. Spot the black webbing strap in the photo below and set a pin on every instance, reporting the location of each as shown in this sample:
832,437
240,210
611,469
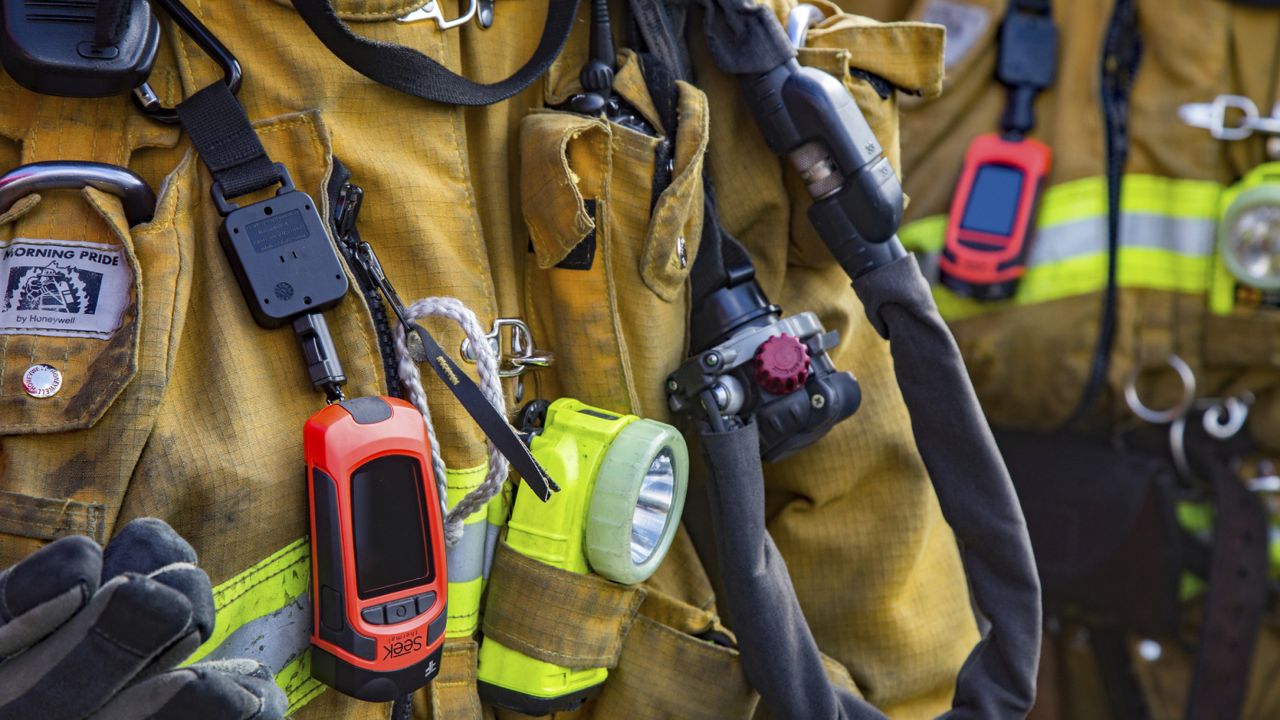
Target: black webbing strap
111,16
411,72
226,142
1237,596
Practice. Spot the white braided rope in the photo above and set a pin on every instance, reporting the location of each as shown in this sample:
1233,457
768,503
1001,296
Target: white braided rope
490,385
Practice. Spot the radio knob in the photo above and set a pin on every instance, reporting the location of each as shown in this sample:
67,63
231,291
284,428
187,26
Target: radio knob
781,364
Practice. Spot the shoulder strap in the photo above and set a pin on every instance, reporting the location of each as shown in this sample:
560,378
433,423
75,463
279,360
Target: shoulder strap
409,71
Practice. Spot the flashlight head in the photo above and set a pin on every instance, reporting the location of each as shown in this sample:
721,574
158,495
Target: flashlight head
637,501
1249,238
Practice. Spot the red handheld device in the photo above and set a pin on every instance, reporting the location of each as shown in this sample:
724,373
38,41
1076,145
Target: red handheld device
990,225
377,549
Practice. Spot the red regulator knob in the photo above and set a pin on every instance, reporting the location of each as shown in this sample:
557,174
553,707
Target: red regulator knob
782,364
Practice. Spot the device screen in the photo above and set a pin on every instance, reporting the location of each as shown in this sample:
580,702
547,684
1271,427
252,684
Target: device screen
993,202
389,511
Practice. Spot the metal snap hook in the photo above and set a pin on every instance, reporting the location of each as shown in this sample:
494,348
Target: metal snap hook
431,11
1223,420
1160,417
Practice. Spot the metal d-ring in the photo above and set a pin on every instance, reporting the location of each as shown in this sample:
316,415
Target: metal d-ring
1160,417
138,201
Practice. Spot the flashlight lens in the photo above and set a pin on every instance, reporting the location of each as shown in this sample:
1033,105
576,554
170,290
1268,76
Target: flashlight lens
1253,250
653,507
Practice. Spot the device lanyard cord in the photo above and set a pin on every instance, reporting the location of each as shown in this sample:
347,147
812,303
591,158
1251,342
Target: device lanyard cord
490,385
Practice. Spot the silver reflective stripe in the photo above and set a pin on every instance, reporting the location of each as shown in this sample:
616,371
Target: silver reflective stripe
274,640
1191,237
1184,236
466,559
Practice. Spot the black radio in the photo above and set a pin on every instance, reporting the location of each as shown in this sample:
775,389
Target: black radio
749,362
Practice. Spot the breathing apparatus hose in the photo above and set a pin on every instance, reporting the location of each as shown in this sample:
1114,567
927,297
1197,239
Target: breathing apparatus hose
974,490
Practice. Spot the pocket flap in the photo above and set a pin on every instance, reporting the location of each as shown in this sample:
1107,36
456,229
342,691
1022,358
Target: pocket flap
72,306
563,155
665,264
907,54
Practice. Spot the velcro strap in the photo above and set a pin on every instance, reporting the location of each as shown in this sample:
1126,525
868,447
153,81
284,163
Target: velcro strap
453,692
580,621
664,673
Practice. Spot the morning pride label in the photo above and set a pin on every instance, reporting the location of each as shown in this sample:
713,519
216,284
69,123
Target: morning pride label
62,288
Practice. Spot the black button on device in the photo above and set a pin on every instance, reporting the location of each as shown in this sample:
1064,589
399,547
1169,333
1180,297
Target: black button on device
331,608
373,615
424,601
400,610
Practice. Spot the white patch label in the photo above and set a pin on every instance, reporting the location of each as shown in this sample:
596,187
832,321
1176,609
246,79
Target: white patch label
62,288
965,24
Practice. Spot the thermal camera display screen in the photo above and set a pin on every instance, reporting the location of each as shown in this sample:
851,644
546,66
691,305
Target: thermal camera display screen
993,201
389,515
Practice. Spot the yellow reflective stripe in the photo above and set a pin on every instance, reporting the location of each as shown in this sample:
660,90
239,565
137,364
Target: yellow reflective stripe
464,607
466,559
246,597
263,589
1140,267
298,685
1168,227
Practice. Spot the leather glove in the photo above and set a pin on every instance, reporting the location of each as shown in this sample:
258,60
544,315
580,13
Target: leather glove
93,633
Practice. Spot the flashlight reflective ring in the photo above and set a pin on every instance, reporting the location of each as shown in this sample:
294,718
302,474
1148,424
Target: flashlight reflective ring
1249,236
622,488
633,518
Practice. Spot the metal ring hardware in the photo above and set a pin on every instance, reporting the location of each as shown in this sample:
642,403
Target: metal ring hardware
522,356
1160,417
136,196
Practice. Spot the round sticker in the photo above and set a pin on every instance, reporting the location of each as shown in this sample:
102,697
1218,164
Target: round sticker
42,381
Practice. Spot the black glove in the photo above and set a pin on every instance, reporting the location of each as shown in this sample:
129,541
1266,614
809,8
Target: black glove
88,633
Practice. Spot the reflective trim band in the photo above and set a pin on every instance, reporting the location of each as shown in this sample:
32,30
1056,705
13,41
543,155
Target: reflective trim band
464,608
264,613
1167,232
466,559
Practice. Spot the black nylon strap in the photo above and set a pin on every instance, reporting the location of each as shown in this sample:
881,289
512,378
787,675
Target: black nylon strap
409,71
226,142
1237,594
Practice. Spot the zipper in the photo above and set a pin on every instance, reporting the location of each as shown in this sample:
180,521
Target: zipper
1122,51
346,204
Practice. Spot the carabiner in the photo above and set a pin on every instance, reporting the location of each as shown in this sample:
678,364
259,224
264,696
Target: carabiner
431,11
136,196
147,100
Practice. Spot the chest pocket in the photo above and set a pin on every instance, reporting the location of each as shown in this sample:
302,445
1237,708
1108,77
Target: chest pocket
86,315
608,287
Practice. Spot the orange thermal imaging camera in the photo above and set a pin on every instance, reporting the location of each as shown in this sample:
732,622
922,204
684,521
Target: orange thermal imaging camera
378,561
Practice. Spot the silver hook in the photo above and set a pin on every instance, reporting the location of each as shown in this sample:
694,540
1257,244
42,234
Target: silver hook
1179,409
431,11
523,354
1223,420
